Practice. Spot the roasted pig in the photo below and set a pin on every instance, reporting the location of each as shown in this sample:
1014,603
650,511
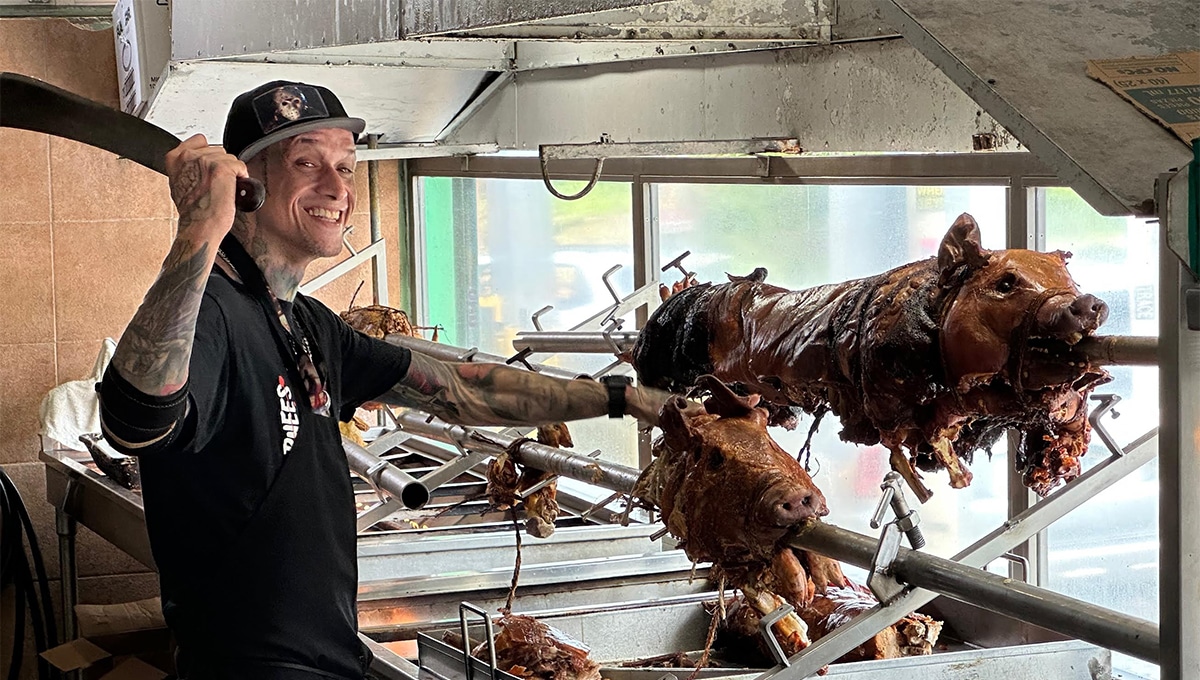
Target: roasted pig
934,359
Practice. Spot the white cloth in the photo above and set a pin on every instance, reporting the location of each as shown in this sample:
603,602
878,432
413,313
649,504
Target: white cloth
73,408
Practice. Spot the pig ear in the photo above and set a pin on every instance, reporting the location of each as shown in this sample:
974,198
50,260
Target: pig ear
960,248
677,431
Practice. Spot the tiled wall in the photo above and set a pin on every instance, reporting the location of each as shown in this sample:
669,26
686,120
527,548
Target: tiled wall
83,235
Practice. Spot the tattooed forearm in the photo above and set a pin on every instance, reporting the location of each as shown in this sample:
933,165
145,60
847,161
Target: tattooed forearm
493,394
155,350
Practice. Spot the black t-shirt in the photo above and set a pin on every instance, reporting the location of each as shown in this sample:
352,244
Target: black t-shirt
249,504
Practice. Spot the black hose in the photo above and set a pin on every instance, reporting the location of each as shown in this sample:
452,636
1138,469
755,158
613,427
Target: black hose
16,527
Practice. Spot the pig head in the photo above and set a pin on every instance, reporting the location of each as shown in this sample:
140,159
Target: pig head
724,487
1005,300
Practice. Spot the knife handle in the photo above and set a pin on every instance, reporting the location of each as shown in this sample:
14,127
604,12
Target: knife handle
250,194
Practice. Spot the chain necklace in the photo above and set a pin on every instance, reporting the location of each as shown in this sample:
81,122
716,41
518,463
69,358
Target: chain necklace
318,396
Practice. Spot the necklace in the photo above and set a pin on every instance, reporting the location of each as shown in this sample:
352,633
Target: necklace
318,397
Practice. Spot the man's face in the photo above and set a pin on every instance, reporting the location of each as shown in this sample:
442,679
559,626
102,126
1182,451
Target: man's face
288,104
310,194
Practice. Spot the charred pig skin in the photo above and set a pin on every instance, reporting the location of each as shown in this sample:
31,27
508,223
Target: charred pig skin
933,359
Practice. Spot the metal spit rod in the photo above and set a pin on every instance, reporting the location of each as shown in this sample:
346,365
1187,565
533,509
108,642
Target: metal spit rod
968,583
533,454
445,352
401,485
1050,610
1106,350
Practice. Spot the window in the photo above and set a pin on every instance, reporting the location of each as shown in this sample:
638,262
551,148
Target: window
498,250
815,234
1106,551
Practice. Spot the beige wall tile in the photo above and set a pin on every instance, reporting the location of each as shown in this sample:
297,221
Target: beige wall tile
25,167
26,283
88,184
76,358
27,376
103,270
118,588
23,47
94,556
387,184
82,60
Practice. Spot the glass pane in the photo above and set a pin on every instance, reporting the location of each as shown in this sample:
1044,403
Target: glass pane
498,250
810,235
1106,552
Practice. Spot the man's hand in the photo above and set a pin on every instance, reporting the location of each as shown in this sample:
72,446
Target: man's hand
203,183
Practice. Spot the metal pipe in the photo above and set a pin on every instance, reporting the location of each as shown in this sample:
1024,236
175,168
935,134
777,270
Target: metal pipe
373,194
1121,350
1050,610
65,526
1104,350
401,485
564,463
553,342
1005,537
445,352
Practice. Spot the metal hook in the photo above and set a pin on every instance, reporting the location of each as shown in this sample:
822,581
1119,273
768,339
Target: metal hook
535,318
608,284
1107,402
346,240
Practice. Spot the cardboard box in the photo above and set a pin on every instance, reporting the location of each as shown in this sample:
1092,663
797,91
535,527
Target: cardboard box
1166,88
127,641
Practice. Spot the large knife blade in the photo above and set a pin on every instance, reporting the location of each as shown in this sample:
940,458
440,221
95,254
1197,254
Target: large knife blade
30,104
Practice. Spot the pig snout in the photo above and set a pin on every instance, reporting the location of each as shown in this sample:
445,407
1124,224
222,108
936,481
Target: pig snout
1084,314
786,506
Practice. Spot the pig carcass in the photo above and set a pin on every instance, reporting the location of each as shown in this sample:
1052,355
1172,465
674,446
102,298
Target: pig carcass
934,359
505,482
730,495
529,648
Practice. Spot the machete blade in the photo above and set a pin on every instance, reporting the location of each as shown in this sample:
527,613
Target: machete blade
30,104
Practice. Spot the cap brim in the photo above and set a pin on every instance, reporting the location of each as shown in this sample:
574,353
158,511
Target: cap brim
354,125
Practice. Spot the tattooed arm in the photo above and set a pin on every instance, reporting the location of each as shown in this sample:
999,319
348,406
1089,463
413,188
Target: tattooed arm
154,351
494,394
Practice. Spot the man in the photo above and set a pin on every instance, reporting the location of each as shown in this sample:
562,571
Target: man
228,386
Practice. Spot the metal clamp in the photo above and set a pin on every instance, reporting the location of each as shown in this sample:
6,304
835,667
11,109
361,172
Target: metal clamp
463,607
1107,402
764,627
678,264
883,585
522,357
372,476
907,519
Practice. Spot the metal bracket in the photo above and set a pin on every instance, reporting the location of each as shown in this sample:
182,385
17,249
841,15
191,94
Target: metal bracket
907,519
764,627
1107,402
463,607
883,585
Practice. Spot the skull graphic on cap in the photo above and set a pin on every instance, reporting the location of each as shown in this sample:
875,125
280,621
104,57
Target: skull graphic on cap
287,104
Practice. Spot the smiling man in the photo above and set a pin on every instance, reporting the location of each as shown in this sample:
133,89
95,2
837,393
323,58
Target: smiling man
228,385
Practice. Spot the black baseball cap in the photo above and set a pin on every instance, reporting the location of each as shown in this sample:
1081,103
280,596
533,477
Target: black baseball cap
281,109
